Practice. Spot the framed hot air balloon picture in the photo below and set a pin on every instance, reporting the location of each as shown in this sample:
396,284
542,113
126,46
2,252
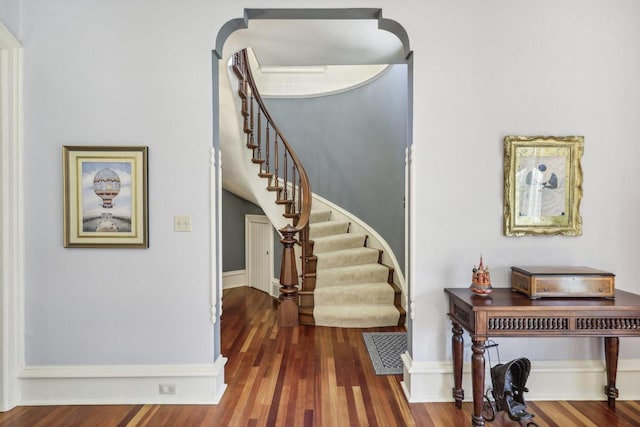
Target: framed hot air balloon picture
105,197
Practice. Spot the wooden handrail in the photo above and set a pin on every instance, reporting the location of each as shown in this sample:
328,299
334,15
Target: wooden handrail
297,199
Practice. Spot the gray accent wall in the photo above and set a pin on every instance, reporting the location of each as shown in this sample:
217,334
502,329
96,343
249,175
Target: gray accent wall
234,210
352,145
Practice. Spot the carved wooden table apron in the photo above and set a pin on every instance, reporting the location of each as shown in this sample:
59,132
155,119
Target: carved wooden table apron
505,313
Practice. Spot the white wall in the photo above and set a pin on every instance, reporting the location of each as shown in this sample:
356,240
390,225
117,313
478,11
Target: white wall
10,15
114,73
102,72
490,69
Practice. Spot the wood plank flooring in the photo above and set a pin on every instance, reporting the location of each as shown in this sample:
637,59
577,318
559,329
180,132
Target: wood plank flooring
303,377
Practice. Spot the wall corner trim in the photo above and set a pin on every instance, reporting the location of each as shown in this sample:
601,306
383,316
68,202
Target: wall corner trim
11,218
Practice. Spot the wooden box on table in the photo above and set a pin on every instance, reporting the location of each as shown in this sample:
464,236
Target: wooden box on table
565,282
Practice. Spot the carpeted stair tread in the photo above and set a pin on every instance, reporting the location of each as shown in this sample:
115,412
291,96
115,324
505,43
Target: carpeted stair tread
356,315
319,216
351,288
344,257
327,228
339,276
357,293
338,242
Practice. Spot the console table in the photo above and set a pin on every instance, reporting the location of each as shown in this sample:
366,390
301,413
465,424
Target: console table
505,313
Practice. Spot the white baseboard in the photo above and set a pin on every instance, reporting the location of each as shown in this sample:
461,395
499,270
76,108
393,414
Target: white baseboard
126,384
237,278
234,279
549,380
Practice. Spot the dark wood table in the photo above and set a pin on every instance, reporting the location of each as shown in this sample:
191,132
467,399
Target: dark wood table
505,313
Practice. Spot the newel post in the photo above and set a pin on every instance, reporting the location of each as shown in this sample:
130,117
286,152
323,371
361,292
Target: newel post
288,309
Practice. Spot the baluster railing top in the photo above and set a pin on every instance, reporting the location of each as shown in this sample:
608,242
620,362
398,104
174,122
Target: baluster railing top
242,69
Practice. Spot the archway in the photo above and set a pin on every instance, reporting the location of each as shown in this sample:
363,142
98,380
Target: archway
305,17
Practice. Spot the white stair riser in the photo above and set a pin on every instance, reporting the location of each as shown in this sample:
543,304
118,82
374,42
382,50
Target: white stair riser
369,273
355,256
328,228
345,241
356,316
319,216
369,293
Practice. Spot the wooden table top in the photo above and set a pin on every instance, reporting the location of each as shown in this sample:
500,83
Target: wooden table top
502,298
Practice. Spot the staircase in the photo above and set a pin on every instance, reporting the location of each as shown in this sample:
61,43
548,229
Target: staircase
353,289
344,283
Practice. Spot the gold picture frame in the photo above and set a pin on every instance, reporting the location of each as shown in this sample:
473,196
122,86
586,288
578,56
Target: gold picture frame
105,197
542,185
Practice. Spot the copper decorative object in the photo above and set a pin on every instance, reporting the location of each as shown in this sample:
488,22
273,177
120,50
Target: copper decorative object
481,280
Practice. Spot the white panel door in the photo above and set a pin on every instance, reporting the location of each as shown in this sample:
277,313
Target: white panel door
259,252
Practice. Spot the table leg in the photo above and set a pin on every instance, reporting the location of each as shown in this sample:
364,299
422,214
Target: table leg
457,346
477,378
611,345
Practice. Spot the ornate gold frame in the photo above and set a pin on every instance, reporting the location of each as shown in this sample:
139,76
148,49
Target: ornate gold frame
105,197
542,185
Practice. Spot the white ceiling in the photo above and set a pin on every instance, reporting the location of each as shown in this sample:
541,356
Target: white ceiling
289,42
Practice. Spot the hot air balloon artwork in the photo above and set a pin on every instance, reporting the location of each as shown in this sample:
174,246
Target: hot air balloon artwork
106,184
105,197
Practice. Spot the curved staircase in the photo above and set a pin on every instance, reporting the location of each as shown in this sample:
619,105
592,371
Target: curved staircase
352,287
344,283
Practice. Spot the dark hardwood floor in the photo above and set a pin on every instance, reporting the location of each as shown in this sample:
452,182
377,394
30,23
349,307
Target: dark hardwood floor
305,376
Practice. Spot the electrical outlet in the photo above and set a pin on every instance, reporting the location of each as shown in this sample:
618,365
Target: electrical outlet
182,223
167,389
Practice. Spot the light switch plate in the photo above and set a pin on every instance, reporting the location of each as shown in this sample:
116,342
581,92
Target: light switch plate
182,223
